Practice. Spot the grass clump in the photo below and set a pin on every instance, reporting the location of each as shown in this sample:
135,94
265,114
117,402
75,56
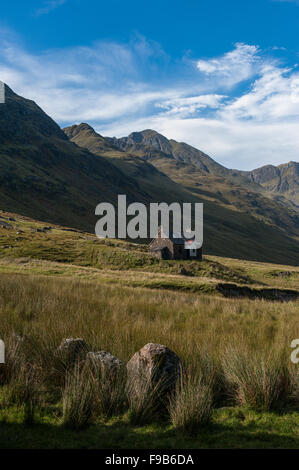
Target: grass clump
78,398
259,380
190,408
24,390
110,389
146,401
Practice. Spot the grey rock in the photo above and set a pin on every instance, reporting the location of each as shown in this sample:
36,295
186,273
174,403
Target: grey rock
104,361
73,348
154,366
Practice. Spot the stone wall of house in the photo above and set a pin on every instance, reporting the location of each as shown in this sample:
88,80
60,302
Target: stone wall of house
161,243
176,251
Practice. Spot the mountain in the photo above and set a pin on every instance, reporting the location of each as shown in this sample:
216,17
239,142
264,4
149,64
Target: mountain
45,176
281,180
280,183
155,183
239,218
152,145
60,176
200,173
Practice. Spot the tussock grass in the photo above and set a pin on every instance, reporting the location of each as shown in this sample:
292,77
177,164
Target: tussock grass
224,343
259,380
25,390
78,398
110,389
145,403
191,406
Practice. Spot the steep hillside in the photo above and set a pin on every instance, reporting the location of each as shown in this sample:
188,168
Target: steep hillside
44,175
238,220
279,180
157,185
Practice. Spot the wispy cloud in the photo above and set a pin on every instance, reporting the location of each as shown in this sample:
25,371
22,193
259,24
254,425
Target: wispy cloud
49,6
186,107
233,67
118,88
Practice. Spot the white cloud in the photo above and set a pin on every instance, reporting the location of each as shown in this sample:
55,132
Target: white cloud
274,96
115,88
185,107
233,67
98,82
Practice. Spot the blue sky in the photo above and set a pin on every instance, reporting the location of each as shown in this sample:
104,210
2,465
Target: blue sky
221,75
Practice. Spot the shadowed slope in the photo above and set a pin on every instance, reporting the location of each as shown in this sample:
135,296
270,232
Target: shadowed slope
44,175
239,222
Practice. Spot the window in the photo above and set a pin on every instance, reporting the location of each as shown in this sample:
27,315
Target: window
193,252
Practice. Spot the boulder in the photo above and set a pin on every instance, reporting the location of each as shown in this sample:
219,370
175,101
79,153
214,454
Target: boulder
74,349
154,366
104,362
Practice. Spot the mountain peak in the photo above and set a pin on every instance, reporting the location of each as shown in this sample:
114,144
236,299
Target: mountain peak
73,131
150,138
83,134
22,117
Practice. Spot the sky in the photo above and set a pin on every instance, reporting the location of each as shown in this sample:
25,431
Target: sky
221,75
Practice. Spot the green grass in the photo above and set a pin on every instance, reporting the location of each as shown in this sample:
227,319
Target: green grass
21,244
121,320
230,428
65,284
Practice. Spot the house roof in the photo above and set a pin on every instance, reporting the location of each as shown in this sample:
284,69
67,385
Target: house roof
176,238
159,248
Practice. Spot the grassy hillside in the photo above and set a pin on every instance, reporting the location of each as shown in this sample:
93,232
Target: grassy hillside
237,219
44,175
30,246
57,283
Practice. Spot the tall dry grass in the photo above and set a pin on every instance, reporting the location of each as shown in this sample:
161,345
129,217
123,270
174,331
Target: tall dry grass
190,408
110,389
261,380
78,398
121,320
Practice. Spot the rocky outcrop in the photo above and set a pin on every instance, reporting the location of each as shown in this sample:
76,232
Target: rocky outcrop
282,179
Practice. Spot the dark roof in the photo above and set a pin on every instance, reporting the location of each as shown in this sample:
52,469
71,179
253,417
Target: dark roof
176,239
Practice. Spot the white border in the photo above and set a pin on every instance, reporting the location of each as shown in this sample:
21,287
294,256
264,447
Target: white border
2,92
